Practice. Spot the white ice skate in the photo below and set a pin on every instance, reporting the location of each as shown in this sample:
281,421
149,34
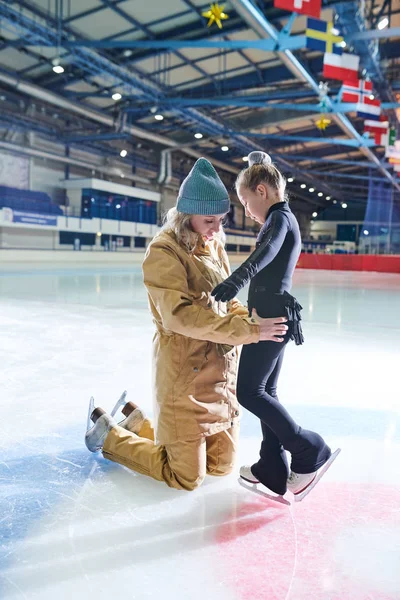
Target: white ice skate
120,402
135,417
246,474
301,484
249,482
96,435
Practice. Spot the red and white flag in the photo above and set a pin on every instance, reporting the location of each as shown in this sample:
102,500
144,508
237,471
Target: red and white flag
312,8
379,129
343,67
357,91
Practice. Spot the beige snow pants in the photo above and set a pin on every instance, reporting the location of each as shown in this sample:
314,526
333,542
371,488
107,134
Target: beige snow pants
182,464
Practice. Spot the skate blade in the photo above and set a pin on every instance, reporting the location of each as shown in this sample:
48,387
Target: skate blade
302,495
252,487
91,409
120,402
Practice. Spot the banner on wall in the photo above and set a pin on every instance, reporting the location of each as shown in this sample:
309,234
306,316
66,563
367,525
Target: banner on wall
14,171
16,216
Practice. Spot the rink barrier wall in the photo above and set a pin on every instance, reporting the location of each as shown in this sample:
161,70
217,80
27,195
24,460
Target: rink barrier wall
10,259
24,236
381,263
41,258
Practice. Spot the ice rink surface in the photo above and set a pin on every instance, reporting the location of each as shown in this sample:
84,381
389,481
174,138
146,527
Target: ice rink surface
75,526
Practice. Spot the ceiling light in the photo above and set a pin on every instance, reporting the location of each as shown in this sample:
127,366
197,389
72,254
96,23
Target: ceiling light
343,44
371,97
315,214
99,234
311,190
118,206
290,179
127,53
224,148
344,205
384,23
116,96
328,197
123,153
122,175
335,202
366,232
303,185
335,31
198,136
57,68
158,117
320,194
245,159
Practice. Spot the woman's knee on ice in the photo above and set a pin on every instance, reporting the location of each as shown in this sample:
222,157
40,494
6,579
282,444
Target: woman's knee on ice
183,479
186,464
220,469
189,482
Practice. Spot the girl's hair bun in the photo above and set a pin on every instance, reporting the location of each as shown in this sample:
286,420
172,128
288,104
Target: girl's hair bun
259,158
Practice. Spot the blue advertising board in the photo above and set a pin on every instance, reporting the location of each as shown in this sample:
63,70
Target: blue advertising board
33,218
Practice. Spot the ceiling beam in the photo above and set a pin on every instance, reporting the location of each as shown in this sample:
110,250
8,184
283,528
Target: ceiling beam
255,19
35,91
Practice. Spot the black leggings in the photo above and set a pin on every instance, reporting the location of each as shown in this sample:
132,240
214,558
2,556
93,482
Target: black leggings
259,369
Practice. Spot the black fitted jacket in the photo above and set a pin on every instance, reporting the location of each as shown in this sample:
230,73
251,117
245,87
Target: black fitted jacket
270,267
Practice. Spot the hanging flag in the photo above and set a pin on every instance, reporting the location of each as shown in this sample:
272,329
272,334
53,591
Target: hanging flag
355,92
381,138
391,137
344,67
369,110
319,36
375,126
312,8
393,150
379,129
388,138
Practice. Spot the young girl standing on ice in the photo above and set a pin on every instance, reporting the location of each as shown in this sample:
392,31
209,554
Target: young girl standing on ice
261,190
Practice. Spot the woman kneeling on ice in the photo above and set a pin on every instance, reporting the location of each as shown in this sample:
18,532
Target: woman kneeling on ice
195,360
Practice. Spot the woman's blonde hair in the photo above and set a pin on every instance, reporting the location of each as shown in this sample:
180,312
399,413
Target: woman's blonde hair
262,171
180,224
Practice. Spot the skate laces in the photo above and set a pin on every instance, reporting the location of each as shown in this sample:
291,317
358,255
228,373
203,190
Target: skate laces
292,477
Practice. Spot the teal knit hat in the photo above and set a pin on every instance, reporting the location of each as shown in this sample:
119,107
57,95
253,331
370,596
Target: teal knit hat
202,192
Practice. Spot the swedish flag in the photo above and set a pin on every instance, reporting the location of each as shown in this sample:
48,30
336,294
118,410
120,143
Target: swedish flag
320,37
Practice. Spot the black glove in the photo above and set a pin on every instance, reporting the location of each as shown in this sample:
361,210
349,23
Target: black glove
225,291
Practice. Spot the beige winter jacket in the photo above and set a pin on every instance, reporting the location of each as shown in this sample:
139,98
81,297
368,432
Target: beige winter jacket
193,359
